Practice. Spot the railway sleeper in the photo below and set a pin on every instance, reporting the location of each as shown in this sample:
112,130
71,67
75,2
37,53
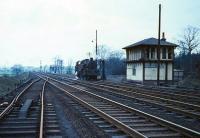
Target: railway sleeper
150,132
17,128
162,135
22,133
51,124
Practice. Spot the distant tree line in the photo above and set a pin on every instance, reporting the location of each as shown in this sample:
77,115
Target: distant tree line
114,60
115,64
17,69
188,58
182,61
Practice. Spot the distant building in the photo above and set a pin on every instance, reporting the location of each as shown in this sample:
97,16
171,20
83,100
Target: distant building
141,59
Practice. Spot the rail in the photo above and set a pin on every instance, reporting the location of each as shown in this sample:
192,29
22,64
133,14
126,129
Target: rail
173,126
126,93
151,96
15,99
107,117
42,111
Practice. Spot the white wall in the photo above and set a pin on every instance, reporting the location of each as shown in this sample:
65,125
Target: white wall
169,71
151,73
139,69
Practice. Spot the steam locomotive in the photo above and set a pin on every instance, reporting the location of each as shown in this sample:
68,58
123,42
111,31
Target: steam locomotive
89,69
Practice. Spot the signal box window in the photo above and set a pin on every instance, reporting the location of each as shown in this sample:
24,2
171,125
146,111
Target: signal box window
147,53
169,53
152,53
164,53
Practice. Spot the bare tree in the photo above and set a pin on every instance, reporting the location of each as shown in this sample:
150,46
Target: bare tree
103,51
189,42
58,65
115,63
190,39
116,54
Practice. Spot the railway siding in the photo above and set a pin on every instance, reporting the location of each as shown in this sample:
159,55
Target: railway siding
27,113
155,118
183,115
189,110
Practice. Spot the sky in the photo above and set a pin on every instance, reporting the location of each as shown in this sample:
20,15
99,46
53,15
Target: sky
34,30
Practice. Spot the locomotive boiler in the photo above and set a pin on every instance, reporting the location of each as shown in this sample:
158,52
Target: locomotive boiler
89,69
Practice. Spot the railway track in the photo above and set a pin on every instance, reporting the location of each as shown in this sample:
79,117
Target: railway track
7,107
168,89
182,109
10,122
191,97
49,125
120,120
131,85
28,115
185,108
178,95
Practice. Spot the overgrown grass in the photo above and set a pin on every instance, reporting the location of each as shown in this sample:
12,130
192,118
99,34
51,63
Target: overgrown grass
8,83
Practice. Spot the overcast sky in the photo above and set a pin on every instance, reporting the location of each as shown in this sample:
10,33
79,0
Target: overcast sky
34,30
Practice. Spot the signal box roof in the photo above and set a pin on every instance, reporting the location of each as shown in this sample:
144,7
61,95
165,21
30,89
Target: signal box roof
151,42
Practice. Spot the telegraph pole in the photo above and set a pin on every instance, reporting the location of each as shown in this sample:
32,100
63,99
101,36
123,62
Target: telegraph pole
158,49
96,44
